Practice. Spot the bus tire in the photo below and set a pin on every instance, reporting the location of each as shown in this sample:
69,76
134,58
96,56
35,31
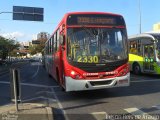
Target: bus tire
57,76
59,81
63,80
136,69
49,74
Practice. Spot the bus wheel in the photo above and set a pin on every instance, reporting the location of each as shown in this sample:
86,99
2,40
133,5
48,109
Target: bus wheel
63,82
59,81
49,74
136,68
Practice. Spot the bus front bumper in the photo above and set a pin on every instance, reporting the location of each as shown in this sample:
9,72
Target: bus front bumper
84,84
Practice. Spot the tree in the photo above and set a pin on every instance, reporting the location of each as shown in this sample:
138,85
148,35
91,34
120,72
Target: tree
3,50
38,47
7,46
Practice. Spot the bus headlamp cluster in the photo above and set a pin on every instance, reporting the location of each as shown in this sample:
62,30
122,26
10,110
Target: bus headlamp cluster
124,71
149,60
75,75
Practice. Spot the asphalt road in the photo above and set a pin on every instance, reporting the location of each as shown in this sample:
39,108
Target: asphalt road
141,97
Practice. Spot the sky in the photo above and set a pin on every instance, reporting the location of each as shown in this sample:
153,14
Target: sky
54,10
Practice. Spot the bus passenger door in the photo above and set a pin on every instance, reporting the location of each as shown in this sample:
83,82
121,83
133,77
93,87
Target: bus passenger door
149,58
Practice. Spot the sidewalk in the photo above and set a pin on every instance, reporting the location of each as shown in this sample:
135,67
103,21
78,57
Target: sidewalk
27,111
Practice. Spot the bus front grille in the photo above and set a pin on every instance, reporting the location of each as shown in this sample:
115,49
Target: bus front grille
97,83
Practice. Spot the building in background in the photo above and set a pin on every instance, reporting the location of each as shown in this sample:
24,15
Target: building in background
43,35
156,27
24,45
24,49
39,44
33,48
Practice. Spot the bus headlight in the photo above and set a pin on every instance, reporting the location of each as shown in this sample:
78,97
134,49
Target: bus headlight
124,71
75,75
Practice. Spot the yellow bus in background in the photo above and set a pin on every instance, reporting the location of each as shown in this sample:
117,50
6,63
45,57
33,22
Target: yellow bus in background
144,53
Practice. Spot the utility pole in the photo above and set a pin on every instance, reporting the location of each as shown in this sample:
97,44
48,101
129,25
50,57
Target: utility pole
140,24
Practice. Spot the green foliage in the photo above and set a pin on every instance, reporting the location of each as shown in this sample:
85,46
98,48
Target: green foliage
37,48
7,46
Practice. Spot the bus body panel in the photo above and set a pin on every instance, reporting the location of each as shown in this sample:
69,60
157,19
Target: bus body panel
78,85
135,59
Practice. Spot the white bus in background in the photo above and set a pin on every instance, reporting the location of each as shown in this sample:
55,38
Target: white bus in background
37,57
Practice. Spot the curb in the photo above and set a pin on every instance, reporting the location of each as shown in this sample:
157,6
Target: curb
6,108
10,109
50,113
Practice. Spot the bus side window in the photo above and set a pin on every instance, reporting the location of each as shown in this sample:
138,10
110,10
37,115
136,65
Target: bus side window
146,51
151,50
139,48
55,43
58,36
52,44
133,47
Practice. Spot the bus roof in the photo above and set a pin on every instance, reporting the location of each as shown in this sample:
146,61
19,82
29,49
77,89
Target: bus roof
71,13
78,13
150,35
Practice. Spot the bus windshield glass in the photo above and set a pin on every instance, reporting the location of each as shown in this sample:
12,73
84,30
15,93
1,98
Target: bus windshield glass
158,46
96,45
157,38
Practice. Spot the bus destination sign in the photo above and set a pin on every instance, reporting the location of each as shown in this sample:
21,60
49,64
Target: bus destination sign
95,20
98,19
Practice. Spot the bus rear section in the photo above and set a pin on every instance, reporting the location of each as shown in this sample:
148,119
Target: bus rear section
93,53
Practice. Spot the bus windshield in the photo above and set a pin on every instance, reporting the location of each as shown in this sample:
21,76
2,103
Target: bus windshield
158,49
157,38
96,45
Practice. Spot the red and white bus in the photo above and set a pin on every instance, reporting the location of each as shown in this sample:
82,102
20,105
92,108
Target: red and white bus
88,50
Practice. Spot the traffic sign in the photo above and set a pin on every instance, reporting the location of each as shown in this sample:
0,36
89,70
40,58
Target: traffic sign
27,13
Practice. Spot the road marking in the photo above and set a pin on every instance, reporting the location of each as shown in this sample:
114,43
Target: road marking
33,85
35,63
44,92
37,85
40,97
60,105
143,80
4,75
4,82
36,73
140,115
99,115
